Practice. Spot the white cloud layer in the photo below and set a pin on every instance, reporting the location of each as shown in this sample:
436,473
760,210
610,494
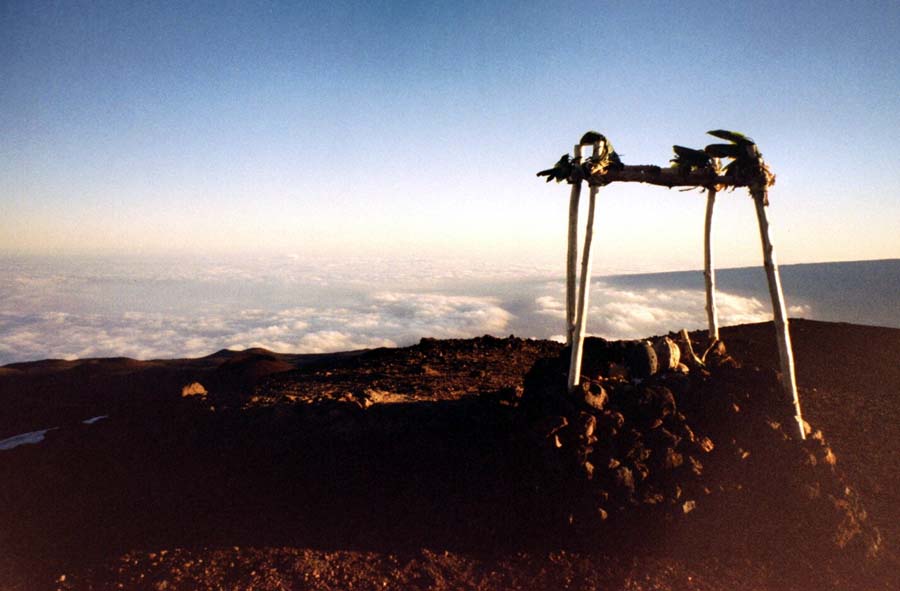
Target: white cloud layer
157,309
616,313
382,319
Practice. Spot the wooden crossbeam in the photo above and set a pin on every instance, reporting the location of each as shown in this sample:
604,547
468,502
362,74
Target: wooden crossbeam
668,177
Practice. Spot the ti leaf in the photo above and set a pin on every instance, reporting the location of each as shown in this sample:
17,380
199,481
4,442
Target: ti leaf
726,150
689,157
731,136
561,171
592,137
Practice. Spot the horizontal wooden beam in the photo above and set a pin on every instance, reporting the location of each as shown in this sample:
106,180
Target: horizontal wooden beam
667,177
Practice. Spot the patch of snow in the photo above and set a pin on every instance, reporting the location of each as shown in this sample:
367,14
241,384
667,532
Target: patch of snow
93,420
25,439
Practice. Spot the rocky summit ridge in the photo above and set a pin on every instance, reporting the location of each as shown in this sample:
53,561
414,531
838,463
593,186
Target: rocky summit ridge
459,464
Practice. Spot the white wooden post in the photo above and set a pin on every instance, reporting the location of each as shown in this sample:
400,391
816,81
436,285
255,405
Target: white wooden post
572,253
584,289
785,352
709,271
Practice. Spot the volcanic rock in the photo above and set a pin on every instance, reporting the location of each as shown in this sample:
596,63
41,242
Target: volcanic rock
668,354
642,361
641,447
595,395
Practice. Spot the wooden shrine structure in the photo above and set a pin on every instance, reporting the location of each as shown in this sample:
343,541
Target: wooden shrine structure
691,169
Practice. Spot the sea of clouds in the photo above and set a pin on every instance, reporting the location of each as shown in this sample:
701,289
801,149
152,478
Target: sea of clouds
145,309
627,314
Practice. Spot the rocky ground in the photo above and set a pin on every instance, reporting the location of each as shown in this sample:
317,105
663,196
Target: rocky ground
457,465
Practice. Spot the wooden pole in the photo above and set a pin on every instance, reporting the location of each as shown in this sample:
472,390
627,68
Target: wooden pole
572,253
584,289
785,352
709,271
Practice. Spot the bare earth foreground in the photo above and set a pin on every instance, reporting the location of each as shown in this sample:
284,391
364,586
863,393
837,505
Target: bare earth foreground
429,467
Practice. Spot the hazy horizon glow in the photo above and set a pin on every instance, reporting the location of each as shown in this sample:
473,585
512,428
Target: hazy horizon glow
341,129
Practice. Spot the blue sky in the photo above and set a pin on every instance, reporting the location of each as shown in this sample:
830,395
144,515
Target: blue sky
384,128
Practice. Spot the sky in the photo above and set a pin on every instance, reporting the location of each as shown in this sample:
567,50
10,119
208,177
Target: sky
379,129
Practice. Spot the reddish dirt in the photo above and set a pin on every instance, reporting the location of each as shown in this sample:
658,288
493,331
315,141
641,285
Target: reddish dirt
409,468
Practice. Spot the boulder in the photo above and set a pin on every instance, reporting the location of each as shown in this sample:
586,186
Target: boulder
668,355
193,389
595,396
588,424
641,360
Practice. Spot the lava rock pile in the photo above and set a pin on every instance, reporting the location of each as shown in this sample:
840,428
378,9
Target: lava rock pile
655,434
